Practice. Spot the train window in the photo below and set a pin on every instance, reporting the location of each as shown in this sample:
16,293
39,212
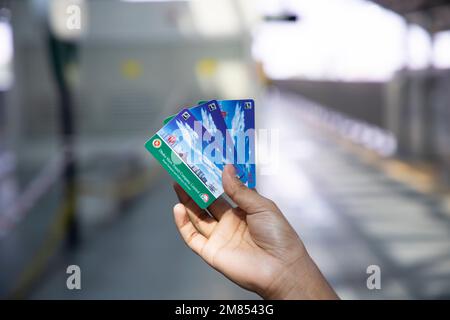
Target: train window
441,58
6,52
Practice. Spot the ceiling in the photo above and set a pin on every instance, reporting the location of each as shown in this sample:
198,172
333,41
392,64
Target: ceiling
433,15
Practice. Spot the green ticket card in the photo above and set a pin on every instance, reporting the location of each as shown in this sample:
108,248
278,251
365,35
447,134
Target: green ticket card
178,147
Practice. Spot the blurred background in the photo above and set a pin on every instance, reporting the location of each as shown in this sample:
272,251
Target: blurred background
356,90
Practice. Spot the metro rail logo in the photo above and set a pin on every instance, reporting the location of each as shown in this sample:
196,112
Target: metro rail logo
212,106
156,143
204,197
185,115
172,139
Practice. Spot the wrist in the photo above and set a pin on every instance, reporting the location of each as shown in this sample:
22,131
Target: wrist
301,280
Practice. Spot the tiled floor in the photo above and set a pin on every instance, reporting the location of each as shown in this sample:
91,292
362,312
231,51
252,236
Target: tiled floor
349,215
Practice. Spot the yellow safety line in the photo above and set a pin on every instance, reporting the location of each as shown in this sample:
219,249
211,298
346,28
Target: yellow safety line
46,250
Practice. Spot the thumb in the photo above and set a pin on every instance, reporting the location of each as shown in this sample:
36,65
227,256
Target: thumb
247,199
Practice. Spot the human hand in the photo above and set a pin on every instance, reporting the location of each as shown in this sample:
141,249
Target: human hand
253,244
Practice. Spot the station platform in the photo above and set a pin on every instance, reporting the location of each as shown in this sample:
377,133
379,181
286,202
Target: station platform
349,213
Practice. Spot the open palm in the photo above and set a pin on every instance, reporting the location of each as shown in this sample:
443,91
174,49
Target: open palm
252,244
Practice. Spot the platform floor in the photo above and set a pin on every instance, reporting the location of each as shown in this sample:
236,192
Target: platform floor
349,214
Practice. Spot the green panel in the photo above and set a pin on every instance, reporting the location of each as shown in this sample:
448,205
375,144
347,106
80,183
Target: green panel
166,120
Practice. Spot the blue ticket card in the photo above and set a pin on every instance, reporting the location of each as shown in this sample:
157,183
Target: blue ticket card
224,151
239,116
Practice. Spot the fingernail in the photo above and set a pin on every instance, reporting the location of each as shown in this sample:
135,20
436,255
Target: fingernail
230,170
179,207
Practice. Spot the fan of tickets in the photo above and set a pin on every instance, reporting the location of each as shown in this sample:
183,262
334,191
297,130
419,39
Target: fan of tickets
195,145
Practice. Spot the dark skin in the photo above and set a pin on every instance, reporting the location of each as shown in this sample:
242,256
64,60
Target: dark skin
252,244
